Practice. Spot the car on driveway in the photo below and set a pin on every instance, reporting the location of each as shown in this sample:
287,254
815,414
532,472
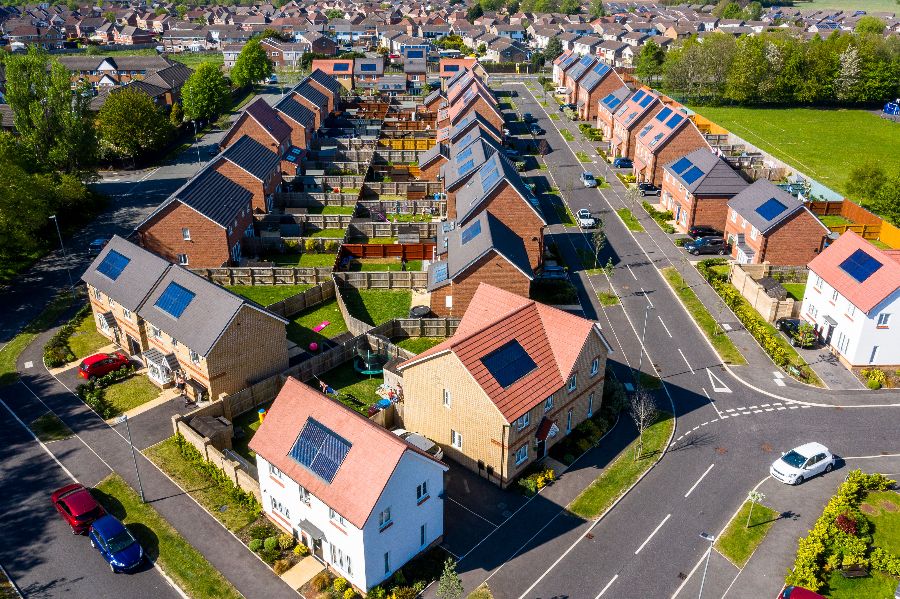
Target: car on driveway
553,272
648,189
100,364
535,130
116,544
96,246
790,326
585,220
802,463
701,231
708,245
420,442
622,162
77,506
792,592
588,180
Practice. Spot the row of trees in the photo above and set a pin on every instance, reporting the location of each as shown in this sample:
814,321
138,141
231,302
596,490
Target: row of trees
777,68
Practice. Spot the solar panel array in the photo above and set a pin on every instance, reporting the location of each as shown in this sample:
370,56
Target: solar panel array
860,266
113,265
368,66
770,209
320,450
508,363
465,168
675,120
682,165
640,94
663,114
611,101
340,66
601,69
441,272
471,232
174,300
646,101
491,177
691,175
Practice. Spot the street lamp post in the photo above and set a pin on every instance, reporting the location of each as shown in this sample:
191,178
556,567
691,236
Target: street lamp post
62,249
195,141
641,358
124,418
706,537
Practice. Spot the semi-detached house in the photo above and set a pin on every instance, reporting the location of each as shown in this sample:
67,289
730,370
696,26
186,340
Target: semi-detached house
574,75
633,115
361,498
599,82
670,134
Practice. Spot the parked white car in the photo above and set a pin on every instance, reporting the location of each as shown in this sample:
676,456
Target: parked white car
802,463
585,220
420,442
588,180
562,91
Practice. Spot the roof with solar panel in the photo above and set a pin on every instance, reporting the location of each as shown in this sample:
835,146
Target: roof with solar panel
704,174
613,101
859,271
466,162
664,125
568,61
492,173
764,205
595,76
634,109
581,67
339,456
125,272
468,124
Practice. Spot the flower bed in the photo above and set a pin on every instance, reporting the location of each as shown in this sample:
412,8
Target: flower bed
661,218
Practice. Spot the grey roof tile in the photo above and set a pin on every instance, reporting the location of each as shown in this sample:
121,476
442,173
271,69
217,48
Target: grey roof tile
755,195
296,111
213,195
717,178
253,157
135,281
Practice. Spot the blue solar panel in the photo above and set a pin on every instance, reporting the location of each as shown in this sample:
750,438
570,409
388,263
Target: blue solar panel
471,232
467,167
770,209
369,66
682,165
113,265
464,154
663,114
601,68
320,450
509,363
174,300
646,101
637,97
488,180
675,120
860,266
692,175
340,66
440,272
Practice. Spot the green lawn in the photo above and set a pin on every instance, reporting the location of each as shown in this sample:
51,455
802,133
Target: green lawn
720,341
86,340
376,306
875,586
131,393
409,218
382,264
249,421
419,344
307,260
163,544
629,219
835,220
869,6
194,59
554,117
623,471
331,233
886,522
808,138
562,211
382,240
266,295
738,542
346,381
795,290
566,134
49,428
10,352
607,298
210,495
344,210
583,157
299,330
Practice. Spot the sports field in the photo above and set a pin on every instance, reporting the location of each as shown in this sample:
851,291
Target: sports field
869,6
824,144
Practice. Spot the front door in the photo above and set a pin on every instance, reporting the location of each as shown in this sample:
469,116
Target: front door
827,331
317,548
134,348
541,449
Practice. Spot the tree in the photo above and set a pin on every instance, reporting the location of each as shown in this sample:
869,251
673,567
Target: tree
482,49
252,65
426,89
753,497
474,12
449,584
870,24
205,94
110,16
599,238
570,7
887,200
865,181
597,9
130,125
181,10
334,13
553,50
160,10
805,335
643,413
176,115
649,63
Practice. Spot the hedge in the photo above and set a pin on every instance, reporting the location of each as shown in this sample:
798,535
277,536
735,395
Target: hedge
218,476
57,351
93,393
661,218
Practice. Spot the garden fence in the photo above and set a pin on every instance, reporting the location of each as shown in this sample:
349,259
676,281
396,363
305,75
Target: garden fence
264,275
303,300
383,279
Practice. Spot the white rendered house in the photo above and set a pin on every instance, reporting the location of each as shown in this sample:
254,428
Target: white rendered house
852,298
363,500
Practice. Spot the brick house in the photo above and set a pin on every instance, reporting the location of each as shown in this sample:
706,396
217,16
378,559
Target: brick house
200,225
367,72
606,110
517,377
563,62
574,74
328,86
484,251
433,101
130,36
766,224
474,100
312,97
299,118
697,188
600,81
111,71
261,122
174,320
668,135
255,168
450,67
283,54
634,114
432,161
341,69
463,164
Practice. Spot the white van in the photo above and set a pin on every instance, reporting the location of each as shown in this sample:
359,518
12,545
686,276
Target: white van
561,91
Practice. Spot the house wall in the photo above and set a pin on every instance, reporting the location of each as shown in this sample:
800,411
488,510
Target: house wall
128,322
247,125
253,347
300,137
209,246
430,172
605,122
492,269
248,182
796,241
195,370
607,85
683,142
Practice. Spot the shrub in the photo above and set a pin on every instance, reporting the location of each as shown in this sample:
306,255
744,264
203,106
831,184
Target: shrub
482,592
846,524
301,550
321,581
875,378
92,393
340,584
311,246
873,384
255,545
269,555
259,531
681,241
271,543
536,481
286,541
281,566
884,561
350,594
57,351
376,593
404,593
245,499
331,246
292,246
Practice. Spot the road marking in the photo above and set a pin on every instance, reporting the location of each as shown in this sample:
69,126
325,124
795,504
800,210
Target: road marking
39,442
726,326
646,297
476,514
794,408
770,409
730,410
655,530
757,411
706,393
779,382
702,476
663,322
778,374
765,405
718,385
606,588
632,272
686,361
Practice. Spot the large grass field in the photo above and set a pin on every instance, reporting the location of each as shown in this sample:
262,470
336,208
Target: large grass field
869,6
824,144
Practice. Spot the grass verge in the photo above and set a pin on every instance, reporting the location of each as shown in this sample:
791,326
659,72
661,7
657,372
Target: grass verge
629,219
608,298
49,428
727,350
739,541
566,134
583,157
623,471
86,340
266,295
163,544
10,352
7,590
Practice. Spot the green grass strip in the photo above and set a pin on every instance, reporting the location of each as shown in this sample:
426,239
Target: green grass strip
624,471
10,352
629,219
583,157
739,541
727,350
163,544
567,135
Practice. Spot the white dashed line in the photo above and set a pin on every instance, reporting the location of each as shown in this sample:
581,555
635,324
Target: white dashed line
606,588
632,272
686,361
702,476
655,530
663,322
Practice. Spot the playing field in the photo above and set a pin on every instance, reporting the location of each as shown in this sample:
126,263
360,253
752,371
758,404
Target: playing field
824,144
869,6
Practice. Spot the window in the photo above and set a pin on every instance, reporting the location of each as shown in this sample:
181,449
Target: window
733,216
387,562
595,366
569,421
186,234
336,517
126,313
455,439
384,518
753,233
874,355
812,310
884,320
422,535
183,259
155,332
834,295
340,560
573,383
851,309
521,454
548,404
279,508
304,494
422,492
447,398
274,471
843,342
818,283
97,293
590,411
523,421
174,342
195,357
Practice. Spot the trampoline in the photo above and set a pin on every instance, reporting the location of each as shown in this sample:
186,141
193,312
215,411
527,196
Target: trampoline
369,363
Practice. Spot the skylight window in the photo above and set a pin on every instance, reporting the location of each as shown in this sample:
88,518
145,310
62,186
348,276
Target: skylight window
441,272
645,130
113,265
860,266
174,300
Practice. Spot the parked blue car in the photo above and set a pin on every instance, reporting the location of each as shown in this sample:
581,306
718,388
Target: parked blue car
116,544
622,162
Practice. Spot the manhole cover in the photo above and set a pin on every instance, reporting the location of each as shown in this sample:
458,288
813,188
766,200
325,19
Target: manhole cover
506,514
223,508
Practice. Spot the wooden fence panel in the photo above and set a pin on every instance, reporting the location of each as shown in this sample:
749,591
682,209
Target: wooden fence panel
858,214
383,280
303,300
265,275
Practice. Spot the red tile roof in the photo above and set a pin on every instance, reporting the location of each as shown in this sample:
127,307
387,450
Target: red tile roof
373,456
871,292
552,338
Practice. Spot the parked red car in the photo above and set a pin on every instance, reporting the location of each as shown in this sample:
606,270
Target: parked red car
799,593
77,506
100,364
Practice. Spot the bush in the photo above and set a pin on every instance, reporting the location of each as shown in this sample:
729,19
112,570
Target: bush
321,581
376,593
873,384
255,545
681,241
271,543
244,498
350,594
340,584
57,351
311,246
482,592
286,541
281,566
269,555
93,392
259,531
536,481
884,561
875,378
404,593
331,246
301,550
